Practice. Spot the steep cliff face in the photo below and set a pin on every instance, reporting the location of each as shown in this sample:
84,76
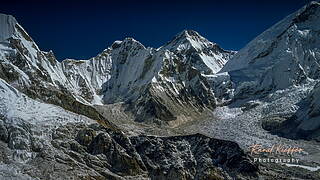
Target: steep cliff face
86,77
128,74
284,55
177,91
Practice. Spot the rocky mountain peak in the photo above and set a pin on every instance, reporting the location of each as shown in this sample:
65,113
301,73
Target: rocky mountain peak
116,44
310,10
131,43
196,50
189,34
187,39
298,26
285,55
125,45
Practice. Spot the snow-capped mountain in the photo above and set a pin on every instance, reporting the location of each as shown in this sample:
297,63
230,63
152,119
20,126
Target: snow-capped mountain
170,83
36,136
125,72
192,48
166,82
26,66
282,62
39,75
286,54
51,112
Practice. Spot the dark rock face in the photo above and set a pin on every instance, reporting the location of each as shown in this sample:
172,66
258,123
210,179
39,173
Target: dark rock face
85,136
120,159
192,157
94,148
181,157
93,152
3,131
19,139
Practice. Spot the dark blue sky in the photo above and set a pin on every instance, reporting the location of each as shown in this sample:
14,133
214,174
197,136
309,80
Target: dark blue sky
82,29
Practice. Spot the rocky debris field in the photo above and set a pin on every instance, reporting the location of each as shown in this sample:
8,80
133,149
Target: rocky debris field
90,151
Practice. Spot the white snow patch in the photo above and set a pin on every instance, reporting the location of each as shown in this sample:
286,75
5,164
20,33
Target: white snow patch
310,168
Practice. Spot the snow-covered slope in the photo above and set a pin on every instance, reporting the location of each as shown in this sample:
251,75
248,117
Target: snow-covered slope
204,55
21,113
86,77
128,75
134,66
286,54
43,141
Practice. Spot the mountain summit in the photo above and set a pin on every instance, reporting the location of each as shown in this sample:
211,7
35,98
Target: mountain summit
206,56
